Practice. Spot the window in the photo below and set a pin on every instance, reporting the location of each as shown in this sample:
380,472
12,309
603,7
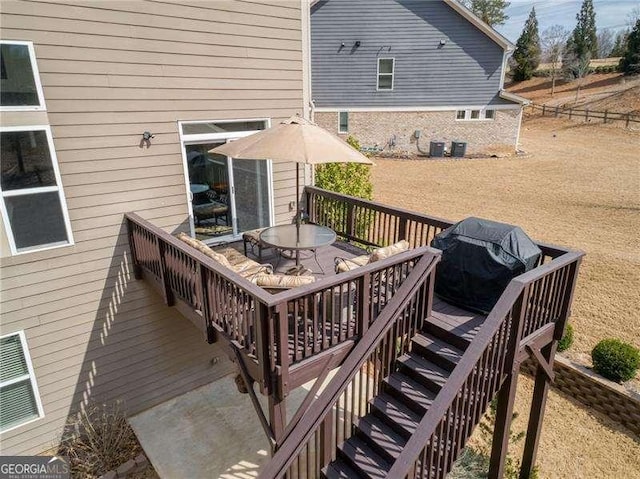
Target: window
385,73
475,114
343,122
20,87
33,205
18,389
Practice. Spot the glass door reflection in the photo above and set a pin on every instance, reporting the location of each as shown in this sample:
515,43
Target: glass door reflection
210,191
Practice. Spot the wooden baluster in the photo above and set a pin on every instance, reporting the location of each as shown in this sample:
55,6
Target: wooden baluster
167,293
135,263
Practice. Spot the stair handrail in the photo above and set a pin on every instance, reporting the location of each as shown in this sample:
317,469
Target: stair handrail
512,298
293,444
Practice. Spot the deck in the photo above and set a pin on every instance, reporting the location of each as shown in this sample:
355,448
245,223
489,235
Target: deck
460,323
361,319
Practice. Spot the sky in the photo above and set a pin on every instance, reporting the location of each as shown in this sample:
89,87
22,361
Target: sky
609,14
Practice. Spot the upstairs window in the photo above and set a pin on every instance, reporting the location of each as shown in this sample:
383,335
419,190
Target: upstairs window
20,87
475,115
343,122
386,67
18,389
33,204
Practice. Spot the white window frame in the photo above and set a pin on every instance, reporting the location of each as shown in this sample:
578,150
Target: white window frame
187,139
36,74
340,130
482,116
30,376
393,74
42,189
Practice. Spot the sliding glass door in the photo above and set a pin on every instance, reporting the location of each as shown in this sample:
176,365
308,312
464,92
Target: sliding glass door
228,197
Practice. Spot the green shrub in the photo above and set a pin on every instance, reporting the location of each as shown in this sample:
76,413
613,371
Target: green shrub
615,360
567,340
352,179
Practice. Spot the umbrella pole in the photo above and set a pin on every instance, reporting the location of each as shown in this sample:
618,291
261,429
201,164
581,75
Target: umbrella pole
297,212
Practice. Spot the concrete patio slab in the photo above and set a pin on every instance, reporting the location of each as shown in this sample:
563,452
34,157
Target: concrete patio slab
212,431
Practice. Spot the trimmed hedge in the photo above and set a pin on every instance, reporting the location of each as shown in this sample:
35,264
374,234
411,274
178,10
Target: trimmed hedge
615,360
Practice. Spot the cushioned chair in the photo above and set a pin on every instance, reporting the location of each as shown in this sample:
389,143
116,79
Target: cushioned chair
252,238
347,264
260,274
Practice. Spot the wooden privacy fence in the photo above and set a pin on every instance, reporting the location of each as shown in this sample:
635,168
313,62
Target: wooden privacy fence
605,116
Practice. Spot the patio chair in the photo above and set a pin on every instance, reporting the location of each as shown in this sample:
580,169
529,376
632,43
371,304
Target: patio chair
252,238
347,264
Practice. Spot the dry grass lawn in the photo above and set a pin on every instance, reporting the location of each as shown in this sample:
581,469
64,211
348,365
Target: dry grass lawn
578,186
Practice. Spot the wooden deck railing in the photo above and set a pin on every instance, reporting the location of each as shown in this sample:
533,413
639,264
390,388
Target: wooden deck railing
534,306
530,302
376,224
312,443
275,331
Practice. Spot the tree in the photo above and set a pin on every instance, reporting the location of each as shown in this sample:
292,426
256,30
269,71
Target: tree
490,12
553,41
605,42
583,42
620,44
527,53
630,61
633,16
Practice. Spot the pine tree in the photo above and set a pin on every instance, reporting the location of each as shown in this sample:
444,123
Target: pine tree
630,61
490,12
527,53
584,39
620,44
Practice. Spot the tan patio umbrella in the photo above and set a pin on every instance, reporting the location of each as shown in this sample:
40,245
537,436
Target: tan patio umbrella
294,140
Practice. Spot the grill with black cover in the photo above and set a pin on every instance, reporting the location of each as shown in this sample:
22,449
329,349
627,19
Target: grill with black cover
479,258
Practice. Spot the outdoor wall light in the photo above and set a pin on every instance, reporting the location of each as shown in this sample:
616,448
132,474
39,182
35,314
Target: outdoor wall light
147,135
357,44
442,43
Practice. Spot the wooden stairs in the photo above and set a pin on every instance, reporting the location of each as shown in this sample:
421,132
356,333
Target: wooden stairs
406,395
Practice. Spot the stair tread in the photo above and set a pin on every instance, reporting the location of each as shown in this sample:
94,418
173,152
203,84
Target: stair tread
339,470
424,368
465,330
382,435
445,350
411,389
364,459
394,410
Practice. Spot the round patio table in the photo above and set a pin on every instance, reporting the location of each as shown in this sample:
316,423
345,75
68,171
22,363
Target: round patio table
297,238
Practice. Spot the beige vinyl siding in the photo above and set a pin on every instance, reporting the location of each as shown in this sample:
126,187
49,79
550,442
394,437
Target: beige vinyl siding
111,70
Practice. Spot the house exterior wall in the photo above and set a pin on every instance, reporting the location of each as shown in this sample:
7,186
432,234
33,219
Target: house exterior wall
465,71
111,70
377,128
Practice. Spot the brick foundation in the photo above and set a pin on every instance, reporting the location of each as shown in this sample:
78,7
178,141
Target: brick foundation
394,131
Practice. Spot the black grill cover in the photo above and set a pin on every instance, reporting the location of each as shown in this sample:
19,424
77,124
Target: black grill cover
479,258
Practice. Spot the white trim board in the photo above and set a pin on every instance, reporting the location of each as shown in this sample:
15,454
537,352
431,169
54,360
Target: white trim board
417,108
31,376
483,27
36,76
59,188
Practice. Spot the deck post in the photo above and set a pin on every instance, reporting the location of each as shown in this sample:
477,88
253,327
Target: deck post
502,430
137,270
277,416
540,391
507,393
